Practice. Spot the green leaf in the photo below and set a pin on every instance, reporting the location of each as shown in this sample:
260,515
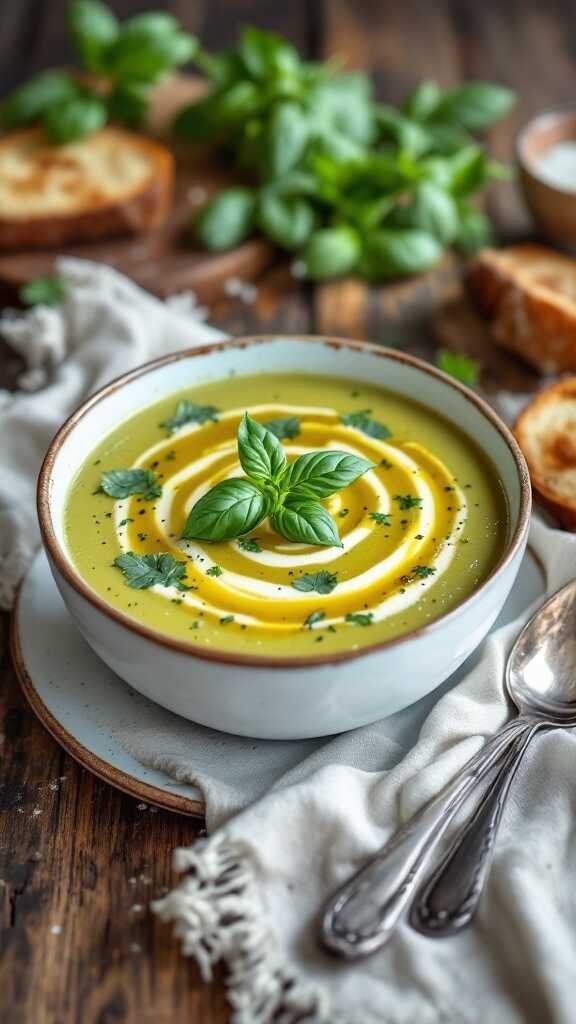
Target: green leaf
214,570
144,571
43,291
249,544
382,518
474,230
145,56
284,428
73,119
475,106
319,474
120,483
361,421
461,367
422,572
469,171
288,221
314,618
411,137
396,252
128,103
331,252
408,501
423,101
265,54
435,212
152,24
285,138
261,453
187,412
231,508
359,618
303,520
30,101
226,619
227,220
321,582
93,28
199,122
344,104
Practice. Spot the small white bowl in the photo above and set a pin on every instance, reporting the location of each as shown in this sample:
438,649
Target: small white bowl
265,696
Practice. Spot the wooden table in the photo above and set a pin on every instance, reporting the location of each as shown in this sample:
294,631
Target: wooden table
76,857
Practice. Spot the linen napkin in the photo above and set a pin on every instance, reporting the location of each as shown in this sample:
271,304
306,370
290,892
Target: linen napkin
252,892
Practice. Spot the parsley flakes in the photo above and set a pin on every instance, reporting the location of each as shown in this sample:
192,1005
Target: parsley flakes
143,571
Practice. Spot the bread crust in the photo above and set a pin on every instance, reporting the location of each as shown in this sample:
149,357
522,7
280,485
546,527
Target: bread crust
143,209
546,433
529,294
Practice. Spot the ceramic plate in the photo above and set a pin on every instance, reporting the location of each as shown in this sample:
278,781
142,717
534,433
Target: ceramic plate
80,700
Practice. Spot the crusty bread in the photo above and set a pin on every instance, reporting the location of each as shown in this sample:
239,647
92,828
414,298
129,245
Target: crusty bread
546,432
529,294
111,183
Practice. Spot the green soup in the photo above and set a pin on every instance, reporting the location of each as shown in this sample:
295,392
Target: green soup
420,531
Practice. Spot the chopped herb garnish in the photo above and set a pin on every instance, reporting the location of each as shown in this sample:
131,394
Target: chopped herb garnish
143,571
214,570
123,522
285,428
343,513
359,618
313,618
419,572
322,582
170,456
459,366
382,518
227,618
249,544
386,464
120,483
43,291
186,412
142,537
407,501
195,625
361,421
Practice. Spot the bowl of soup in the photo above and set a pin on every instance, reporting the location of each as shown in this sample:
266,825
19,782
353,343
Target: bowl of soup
258,634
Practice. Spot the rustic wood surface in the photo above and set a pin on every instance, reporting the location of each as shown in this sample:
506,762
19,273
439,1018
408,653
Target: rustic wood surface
78,860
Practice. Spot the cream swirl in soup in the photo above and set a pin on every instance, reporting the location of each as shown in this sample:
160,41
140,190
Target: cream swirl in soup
419,531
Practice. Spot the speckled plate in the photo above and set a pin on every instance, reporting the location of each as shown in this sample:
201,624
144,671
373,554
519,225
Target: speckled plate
80,701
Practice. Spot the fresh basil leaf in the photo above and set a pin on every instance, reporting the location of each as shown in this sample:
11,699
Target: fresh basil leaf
128,103
145,56
249,544
187,412
321,582
475,106
152,24
199,122
314,618
332,252
120,483
359,618
43,291
306,521
469,171
320,474
474,229
241,100
423,101
457,365
344,104
93,28
73,119
231,508
288,221
261,454
435,211
30,101
411,137
396,252
285,138
446,139
284,428
143,571
227,220
265,54
361,420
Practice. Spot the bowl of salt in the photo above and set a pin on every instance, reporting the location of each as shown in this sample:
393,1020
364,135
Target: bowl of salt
546,157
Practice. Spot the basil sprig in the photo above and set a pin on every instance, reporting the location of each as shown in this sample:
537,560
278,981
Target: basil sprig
288,493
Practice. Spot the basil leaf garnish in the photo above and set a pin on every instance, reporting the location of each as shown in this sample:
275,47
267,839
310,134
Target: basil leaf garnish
361,421
321,582
322,473
359,618
231,508
186,412
284,428
143,571
261,454
306,521
120,483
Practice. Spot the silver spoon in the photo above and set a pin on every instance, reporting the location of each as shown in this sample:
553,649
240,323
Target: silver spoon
541,681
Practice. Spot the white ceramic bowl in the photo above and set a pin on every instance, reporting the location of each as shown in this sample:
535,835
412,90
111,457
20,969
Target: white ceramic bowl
267,697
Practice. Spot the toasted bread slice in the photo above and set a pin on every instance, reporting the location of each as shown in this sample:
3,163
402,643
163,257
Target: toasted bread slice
111,183
529,294
546,432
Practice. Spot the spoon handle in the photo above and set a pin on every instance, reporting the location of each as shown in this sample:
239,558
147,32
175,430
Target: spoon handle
360,917
448,900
